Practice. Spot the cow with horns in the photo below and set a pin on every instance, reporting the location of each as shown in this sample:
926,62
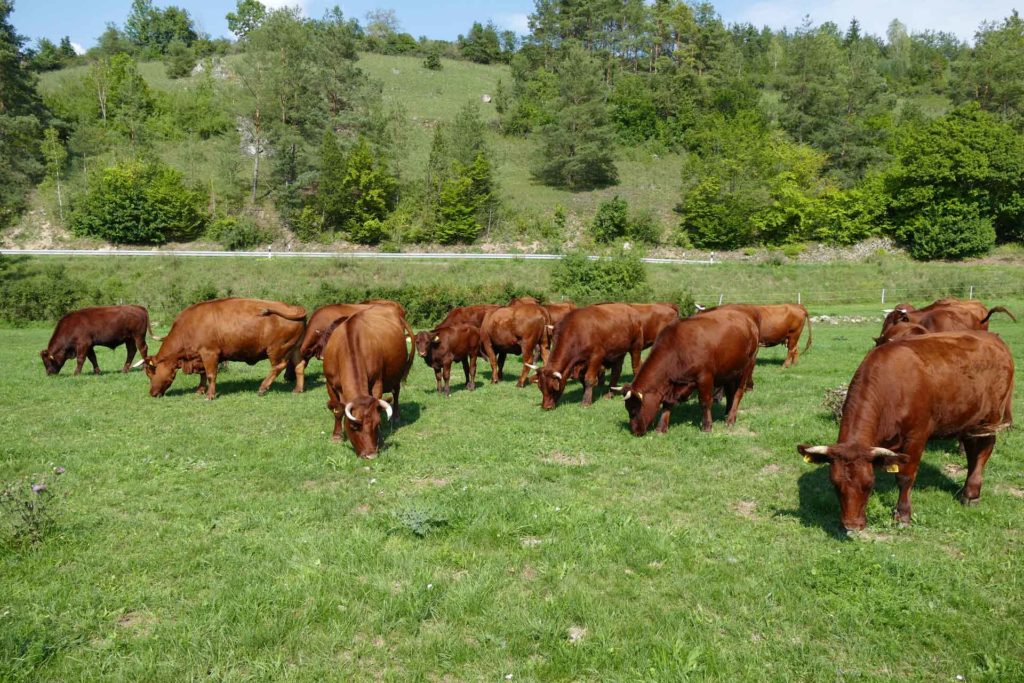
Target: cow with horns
700,353
79,332
233,329
904,392
365,356
585,342
944,315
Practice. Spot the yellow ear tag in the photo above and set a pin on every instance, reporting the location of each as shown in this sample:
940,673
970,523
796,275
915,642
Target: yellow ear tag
893,468
808,459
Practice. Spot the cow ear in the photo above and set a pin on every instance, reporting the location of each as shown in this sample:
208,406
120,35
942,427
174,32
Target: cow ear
890,460
818,455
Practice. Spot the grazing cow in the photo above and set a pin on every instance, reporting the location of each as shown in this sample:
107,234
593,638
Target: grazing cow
587,340
78,332
366,355
904,392
950,314
778,324
207,333
655,318
700,353
447,343
313,339
519,328
468,315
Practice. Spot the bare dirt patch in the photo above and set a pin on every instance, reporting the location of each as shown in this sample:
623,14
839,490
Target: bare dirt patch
530,542
746,508
954,469
566,460
528,573
139,623
1012,490
424,482
771,469
577,633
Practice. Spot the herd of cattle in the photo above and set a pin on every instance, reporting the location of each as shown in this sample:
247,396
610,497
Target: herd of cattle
935,371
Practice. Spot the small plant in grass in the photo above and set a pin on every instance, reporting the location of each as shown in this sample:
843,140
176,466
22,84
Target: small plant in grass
834,400
420,521
27,506
236,233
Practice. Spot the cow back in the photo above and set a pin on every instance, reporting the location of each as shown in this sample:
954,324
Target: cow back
367,348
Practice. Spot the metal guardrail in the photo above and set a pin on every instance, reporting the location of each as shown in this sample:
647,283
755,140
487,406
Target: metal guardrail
412,256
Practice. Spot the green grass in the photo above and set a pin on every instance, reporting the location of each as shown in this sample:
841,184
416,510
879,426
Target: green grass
233,540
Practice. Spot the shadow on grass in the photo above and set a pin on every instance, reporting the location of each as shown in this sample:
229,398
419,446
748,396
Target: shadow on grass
689,412
819,505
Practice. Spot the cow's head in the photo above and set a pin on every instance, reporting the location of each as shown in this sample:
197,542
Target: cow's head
161,375
424,340
362,422
551,384
53,362
899,331
852,471
642,407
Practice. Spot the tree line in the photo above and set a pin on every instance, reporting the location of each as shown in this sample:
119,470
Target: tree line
811,134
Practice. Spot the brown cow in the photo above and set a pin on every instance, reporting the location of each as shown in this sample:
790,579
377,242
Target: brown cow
519,328
587,340
903,393
556,311
468,315
447,343
952,314
78,332
715,349
365,356
248,330
655,317
900,330
778,324
313,339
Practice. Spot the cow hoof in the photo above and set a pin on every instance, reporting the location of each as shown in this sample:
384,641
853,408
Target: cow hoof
336,438
296,390
470,387
261,392
969,502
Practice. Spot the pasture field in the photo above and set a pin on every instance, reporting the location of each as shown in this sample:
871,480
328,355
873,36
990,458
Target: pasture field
490,541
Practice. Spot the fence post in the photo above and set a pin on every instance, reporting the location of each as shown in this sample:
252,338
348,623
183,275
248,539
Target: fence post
720,297
799,299
971,294
883,296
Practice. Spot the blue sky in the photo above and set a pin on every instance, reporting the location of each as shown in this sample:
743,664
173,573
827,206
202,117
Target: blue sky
84,20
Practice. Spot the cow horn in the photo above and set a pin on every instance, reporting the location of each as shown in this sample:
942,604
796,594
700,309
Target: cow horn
51,356
701,308
550,327
880,452
138,362
532,366
386,406
436,338
816,450
348,412
556,375
888,310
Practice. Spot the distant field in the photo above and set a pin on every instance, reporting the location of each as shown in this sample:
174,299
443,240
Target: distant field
233,540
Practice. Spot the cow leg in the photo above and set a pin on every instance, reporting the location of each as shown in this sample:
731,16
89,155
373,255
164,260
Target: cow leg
501,364
276,366
706,391
210,365
300,376
528,347
794,349
590,378
338,412
446,371
613,381
129,345
978,449
634,358
732,406
666,416
906,477
91,353
397,417
437,379
471,385
465,370
497,362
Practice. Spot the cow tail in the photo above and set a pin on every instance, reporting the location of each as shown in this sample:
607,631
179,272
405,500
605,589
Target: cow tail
810,334
410,344
997,309
285,311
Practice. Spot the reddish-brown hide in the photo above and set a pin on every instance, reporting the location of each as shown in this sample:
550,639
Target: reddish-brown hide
944,315
700,353
468,315
654,318
367,355
777,324
446,344
518,328
585,342
904,392
78,332
233,329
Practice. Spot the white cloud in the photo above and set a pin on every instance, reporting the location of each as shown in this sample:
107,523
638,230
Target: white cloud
520,23
79,50
954,16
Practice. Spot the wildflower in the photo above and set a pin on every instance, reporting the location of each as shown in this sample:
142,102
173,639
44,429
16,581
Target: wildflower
38,488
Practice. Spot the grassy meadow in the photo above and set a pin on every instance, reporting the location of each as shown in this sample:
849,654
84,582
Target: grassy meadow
490,540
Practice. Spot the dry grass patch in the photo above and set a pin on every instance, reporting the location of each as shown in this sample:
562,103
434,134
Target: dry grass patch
566,460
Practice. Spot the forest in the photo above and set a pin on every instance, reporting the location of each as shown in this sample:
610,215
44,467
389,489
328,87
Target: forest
773,138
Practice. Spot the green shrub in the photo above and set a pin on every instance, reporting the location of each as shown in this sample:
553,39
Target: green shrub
139,203
433,61
611,220
948,231
793,250
308,225
644,228
236,233
618,278
371,231
32,294
27,507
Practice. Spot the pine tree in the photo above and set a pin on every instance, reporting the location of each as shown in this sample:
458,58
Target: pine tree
576,148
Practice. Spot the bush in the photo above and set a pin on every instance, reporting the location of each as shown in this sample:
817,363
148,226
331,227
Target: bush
139,203
618,278
949,231
236,233
610,221
31,293
433,61
371,231
644,228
